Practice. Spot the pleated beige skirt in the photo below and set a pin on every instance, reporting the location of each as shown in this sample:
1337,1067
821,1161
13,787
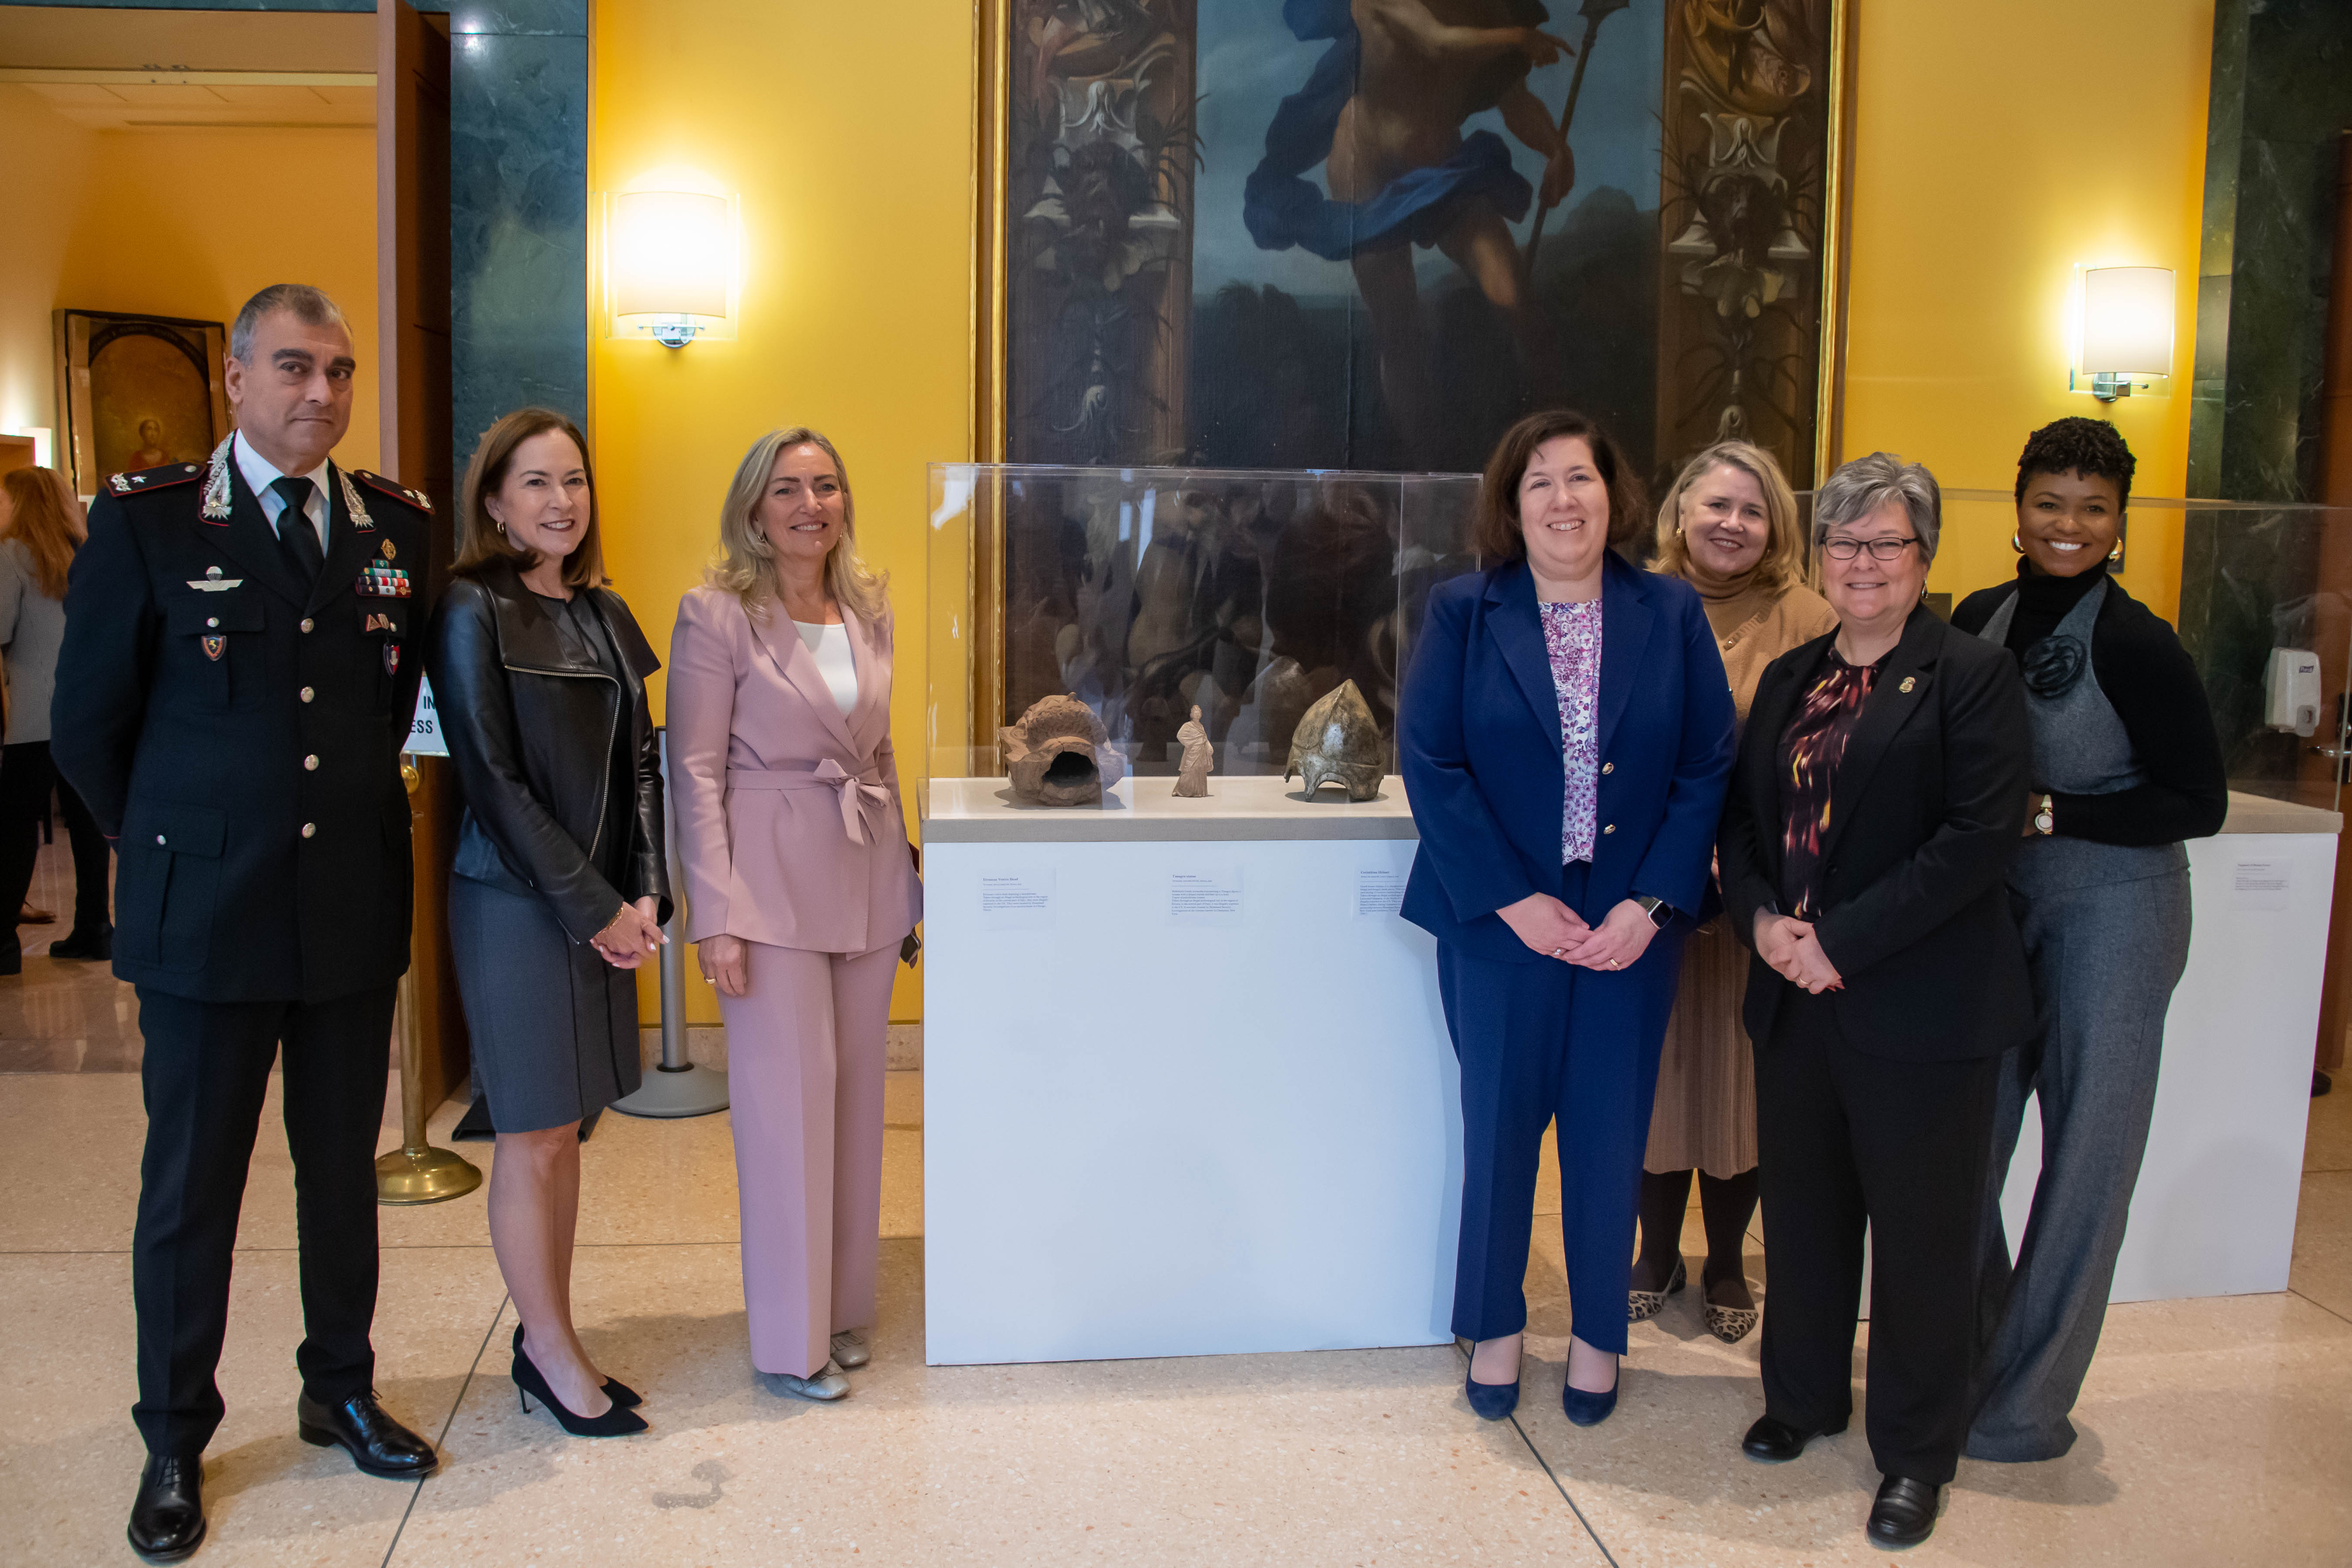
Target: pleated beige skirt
1705,1115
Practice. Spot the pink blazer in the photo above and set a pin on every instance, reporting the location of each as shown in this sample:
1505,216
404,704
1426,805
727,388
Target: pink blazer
790,828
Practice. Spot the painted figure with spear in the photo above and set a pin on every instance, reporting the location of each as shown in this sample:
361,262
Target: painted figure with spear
1383,113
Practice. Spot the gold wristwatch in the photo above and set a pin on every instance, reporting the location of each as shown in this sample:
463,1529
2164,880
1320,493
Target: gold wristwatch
2045,820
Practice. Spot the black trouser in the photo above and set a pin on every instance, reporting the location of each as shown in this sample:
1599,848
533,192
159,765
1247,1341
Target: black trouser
1846,1139
27,777
205,1071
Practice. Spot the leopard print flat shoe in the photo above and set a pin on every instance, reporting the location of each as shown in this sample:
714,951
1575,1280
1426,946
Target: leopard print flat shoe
1640,1306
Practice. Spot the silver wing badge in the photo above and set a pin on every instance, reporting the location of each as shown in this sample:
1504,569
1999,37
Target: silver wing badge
212,581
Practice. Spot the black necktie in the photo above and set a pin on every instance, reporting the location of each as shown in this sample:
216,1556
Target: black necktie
295,536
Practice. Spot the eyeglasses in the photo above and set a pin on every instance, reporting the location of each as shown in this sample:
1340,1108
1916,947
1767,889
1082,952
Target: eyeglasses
1880,549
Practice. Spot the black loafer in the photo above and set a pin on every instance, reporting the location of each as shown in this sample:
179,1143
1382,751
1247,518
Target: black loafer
94,946
376,1443
1775,1442
1905,1511
167,1517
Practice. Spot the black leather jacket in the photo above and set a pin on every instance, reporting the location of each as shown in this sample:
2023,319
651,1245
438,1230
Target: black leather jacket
531,733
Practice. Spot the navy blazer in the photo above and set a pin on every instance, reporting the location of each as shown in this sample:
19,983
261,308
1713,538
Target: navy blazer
1478,730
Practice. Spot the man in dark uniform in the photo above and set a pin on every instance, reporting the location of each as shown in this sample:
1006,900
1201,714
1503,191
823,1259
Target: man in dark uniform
232,698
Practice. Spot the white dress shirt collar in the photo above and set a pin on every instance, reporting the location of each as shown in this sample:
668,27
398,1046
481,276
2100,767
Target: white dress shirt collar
258,473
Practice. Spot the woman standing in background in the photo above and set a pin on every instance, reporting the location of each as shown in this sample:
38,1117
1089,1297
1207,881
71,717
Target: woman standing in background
1729,528
40,528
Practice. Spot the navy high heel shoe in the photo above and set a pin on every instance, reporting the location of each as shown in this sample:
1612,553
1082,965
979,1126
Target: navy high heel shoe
1491,1401
531,1384
1586,1409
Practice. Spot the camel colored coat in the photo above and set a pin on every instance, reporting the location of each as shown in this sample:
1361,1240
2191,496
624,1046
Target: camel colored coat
1704,1115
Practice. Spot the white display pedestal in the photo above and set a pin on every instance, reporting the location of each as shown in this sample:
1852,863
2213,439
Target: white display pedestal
1161,1119
1187,1088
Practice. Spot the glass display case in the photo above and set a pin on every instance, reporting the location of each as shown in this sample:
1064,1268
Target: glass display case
1146,593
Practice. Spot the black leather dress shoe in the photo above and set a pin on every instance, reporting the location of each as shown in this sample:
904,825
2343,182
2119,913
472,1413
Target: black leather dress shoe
376,1443
167,1517
1905,1511
1776,1442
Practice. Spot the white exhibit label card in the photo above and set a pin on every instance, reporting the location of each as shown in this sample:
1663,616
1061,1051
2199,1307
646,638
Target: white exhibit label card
1205,896
425,728
2261,884
1016,898
1379,893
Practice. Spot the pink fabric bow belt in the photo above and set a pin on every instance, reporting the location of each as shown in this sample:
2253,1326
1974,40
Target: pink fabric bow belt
860,793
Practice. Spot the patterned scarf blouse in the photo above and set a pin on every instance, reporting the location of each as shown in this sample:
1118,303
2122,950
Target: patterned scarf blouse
1812,747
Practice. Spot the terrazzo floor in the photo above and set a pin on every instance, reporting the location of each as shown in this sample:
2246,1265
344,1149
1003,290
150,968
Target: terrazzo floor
2213,1432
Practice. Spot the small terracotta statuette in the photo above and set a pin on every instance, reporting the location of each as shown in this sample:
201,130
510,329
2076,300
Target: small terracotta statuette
1060,754
1193,769
1339,742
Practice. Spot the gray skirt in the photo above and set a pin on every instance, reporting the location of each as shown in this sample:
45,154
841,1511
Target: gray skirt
554,1026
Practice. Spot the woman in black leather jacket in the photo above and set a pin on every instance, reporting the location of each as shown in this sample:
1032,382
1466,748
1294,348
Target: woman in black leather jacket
559,888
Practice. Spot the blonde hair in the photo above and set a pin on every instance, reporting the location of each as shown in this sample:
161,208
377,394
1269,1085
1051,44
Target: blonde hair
45,515
747,562
1784,543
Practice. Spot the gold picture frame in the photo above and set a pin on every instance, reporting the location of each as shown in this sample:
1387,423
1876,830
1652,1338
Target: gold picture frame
137,392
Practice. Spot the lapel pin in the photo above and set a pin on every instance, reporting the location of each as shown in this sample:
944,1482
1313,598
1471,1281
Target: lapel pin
1908,682
212,581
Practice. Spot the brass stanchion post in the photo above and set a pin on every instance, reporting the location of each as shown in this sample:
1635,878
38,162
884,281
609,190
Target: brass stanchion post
417,1172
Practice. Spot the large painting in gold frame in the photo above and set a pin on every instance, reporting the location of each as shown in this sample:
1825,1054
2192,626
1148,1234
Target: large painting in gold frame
1140,295
137,392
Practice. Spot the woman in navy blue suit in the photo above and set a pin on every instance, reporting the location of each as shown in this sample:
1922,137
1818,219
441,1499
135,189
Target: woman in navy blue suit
1566,732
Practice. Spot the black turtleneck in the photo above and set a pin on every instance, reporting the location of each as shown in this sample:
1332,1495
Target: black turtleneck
2147,676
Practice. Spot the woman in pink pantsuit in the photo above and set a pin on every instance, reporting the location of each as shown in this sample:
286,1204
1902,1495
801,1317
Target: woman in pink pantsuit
801,886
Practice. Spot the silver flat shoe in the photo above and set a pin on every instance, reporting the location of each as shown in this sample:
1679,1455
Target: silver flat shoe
849,1351
827,1384
1640,1306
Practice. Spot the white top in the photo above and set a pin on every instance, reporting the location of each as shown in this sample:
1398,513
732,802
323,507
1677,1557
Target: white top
259,473
831,646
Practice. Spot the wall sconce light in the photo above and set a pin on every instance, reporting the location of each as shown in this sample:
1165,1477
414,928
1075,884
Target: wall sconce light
671,270
2125,337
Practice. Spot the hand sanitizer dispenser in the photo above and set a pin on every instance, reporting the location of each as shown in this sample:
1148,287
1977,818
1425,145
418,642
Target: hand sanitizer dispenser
2290,691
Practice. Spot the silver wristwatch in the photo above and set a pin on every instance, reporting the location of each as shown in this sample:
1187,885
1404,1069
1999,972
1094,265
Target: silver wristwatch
1658,910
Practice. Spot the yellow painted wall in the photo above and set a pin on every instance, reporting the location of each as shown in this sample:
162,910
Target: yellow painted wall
147,221
1997,145
845,130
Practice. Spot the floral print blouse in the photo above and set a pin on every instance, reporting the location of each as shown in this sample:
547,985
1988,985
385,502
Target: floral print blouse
1572,638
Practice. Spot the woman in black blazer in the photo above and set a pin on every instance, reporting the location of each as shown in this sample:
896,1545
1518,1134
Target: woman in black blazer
559,887
1878,799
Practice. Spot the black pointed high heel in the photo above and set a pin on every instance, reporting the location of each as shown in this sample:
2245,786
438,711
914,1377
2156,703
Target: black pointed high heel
619,1393
531,1384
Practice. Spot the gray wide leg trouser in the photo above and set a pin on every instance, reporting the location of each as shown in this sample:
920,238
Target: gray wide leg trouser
2104,962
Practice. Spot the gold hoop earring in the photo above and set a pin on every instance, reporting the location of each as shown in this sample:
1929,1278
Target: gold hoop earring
502,530
2117,552
2015,544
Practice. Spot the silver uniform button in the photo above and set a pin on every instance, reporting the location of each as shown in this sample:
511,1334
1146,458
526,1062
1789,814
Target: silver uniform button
159,839
305,623
211,620
312,762
310,830
307,694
